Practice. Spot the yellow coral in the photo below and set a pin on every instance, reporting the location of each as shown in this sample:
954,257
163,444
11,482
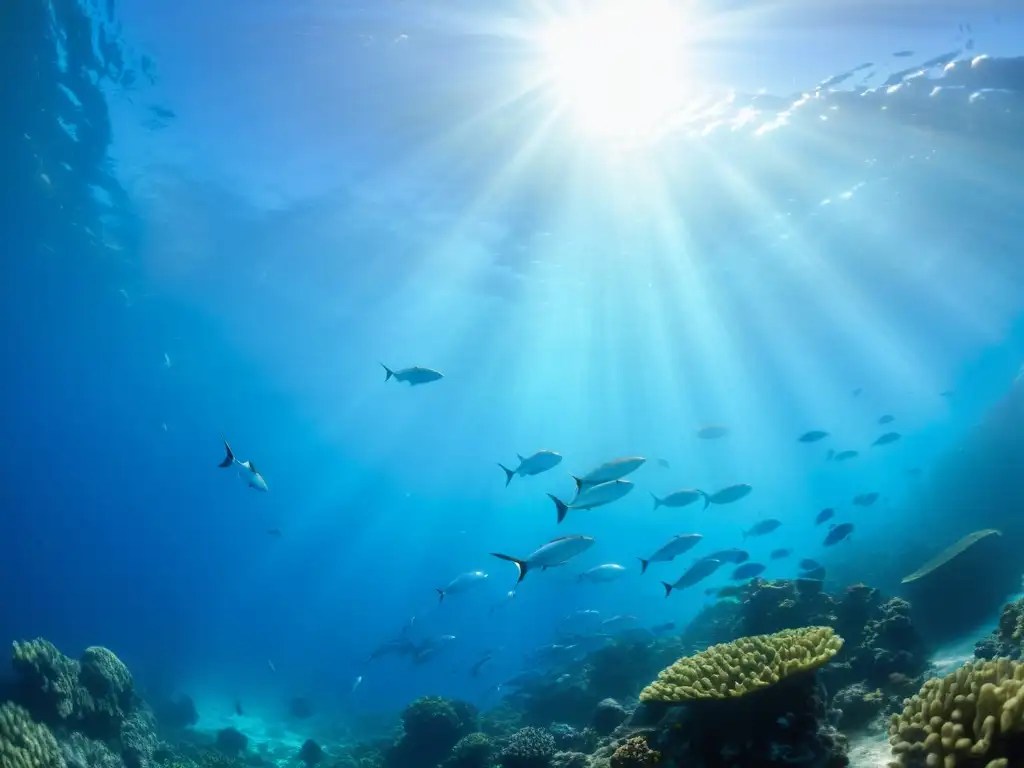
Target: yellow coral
963,719
743,666
24,743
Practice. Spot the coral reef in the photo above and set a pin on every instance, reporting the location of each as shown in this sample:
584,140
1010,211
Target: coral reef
635,753
472,751
1006,639
608,716
570,760
528,748
24,743
431,727
972,718
735,669
858,705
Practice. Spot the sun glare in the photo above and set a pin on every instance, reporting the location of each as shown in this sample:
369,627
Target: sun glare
620,68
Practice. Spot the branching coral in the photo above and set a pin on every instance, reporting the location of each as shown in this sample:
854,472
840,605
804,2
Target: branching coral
972,718
735,669
472,751
528,748
24,743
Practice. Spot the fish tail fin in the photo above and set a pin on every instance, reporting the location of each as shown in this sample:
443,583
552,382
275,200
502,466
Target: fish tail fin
707,499
657,502
668,588
229,458
560,506
440,595
509,474
578,481
643,565
522,565
388,373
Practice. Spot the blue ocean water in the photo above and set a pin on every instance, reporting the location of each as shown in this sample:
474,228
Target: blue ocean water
222,218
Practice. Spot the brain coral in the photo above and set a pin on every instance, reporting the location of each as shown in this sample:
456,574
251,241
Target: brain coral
743,666
972,718
25,744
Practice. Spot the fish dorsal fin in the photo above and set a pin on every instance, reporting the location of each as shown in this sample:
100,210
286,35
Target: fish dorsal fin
520,457
252,468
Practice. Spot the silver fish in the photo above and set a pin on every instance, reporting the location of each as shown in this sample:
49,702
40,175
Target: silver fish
674,547
555,552
412,376
461,583
602,573
593,496
616,469
697,572
246,469
680,498
541,461
728,495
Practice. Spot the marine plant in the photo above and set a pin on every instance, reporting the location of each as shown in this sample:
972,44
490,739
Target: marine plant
735,669
972,718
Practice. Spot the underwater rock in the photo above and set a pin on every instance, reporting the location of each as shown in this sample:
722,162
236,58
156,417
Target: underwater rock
528,748
608,716
858,706
569,739
1007,639
311,753
570,760
231,742
177,713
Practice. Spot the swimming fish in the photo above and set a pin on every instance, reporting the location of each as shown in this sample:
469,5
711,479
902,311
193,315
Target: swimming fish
541,461
780,554
838,533
461,583
696,573
412,376
663,463
734,556
238,708
814,573
271,665
616,469
474,670
887,439
661,629
809,565
846,455
826,514
728,495
747,571
886,419
856,392
712,432
680,498
620,620
357,683
582,616
813,436
593,496
762,528
865,499
555,552
275,532
603,573
246,469
671,549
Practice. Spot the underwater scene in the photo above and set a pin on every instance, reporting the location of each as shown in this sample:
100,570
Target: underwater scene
547,384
